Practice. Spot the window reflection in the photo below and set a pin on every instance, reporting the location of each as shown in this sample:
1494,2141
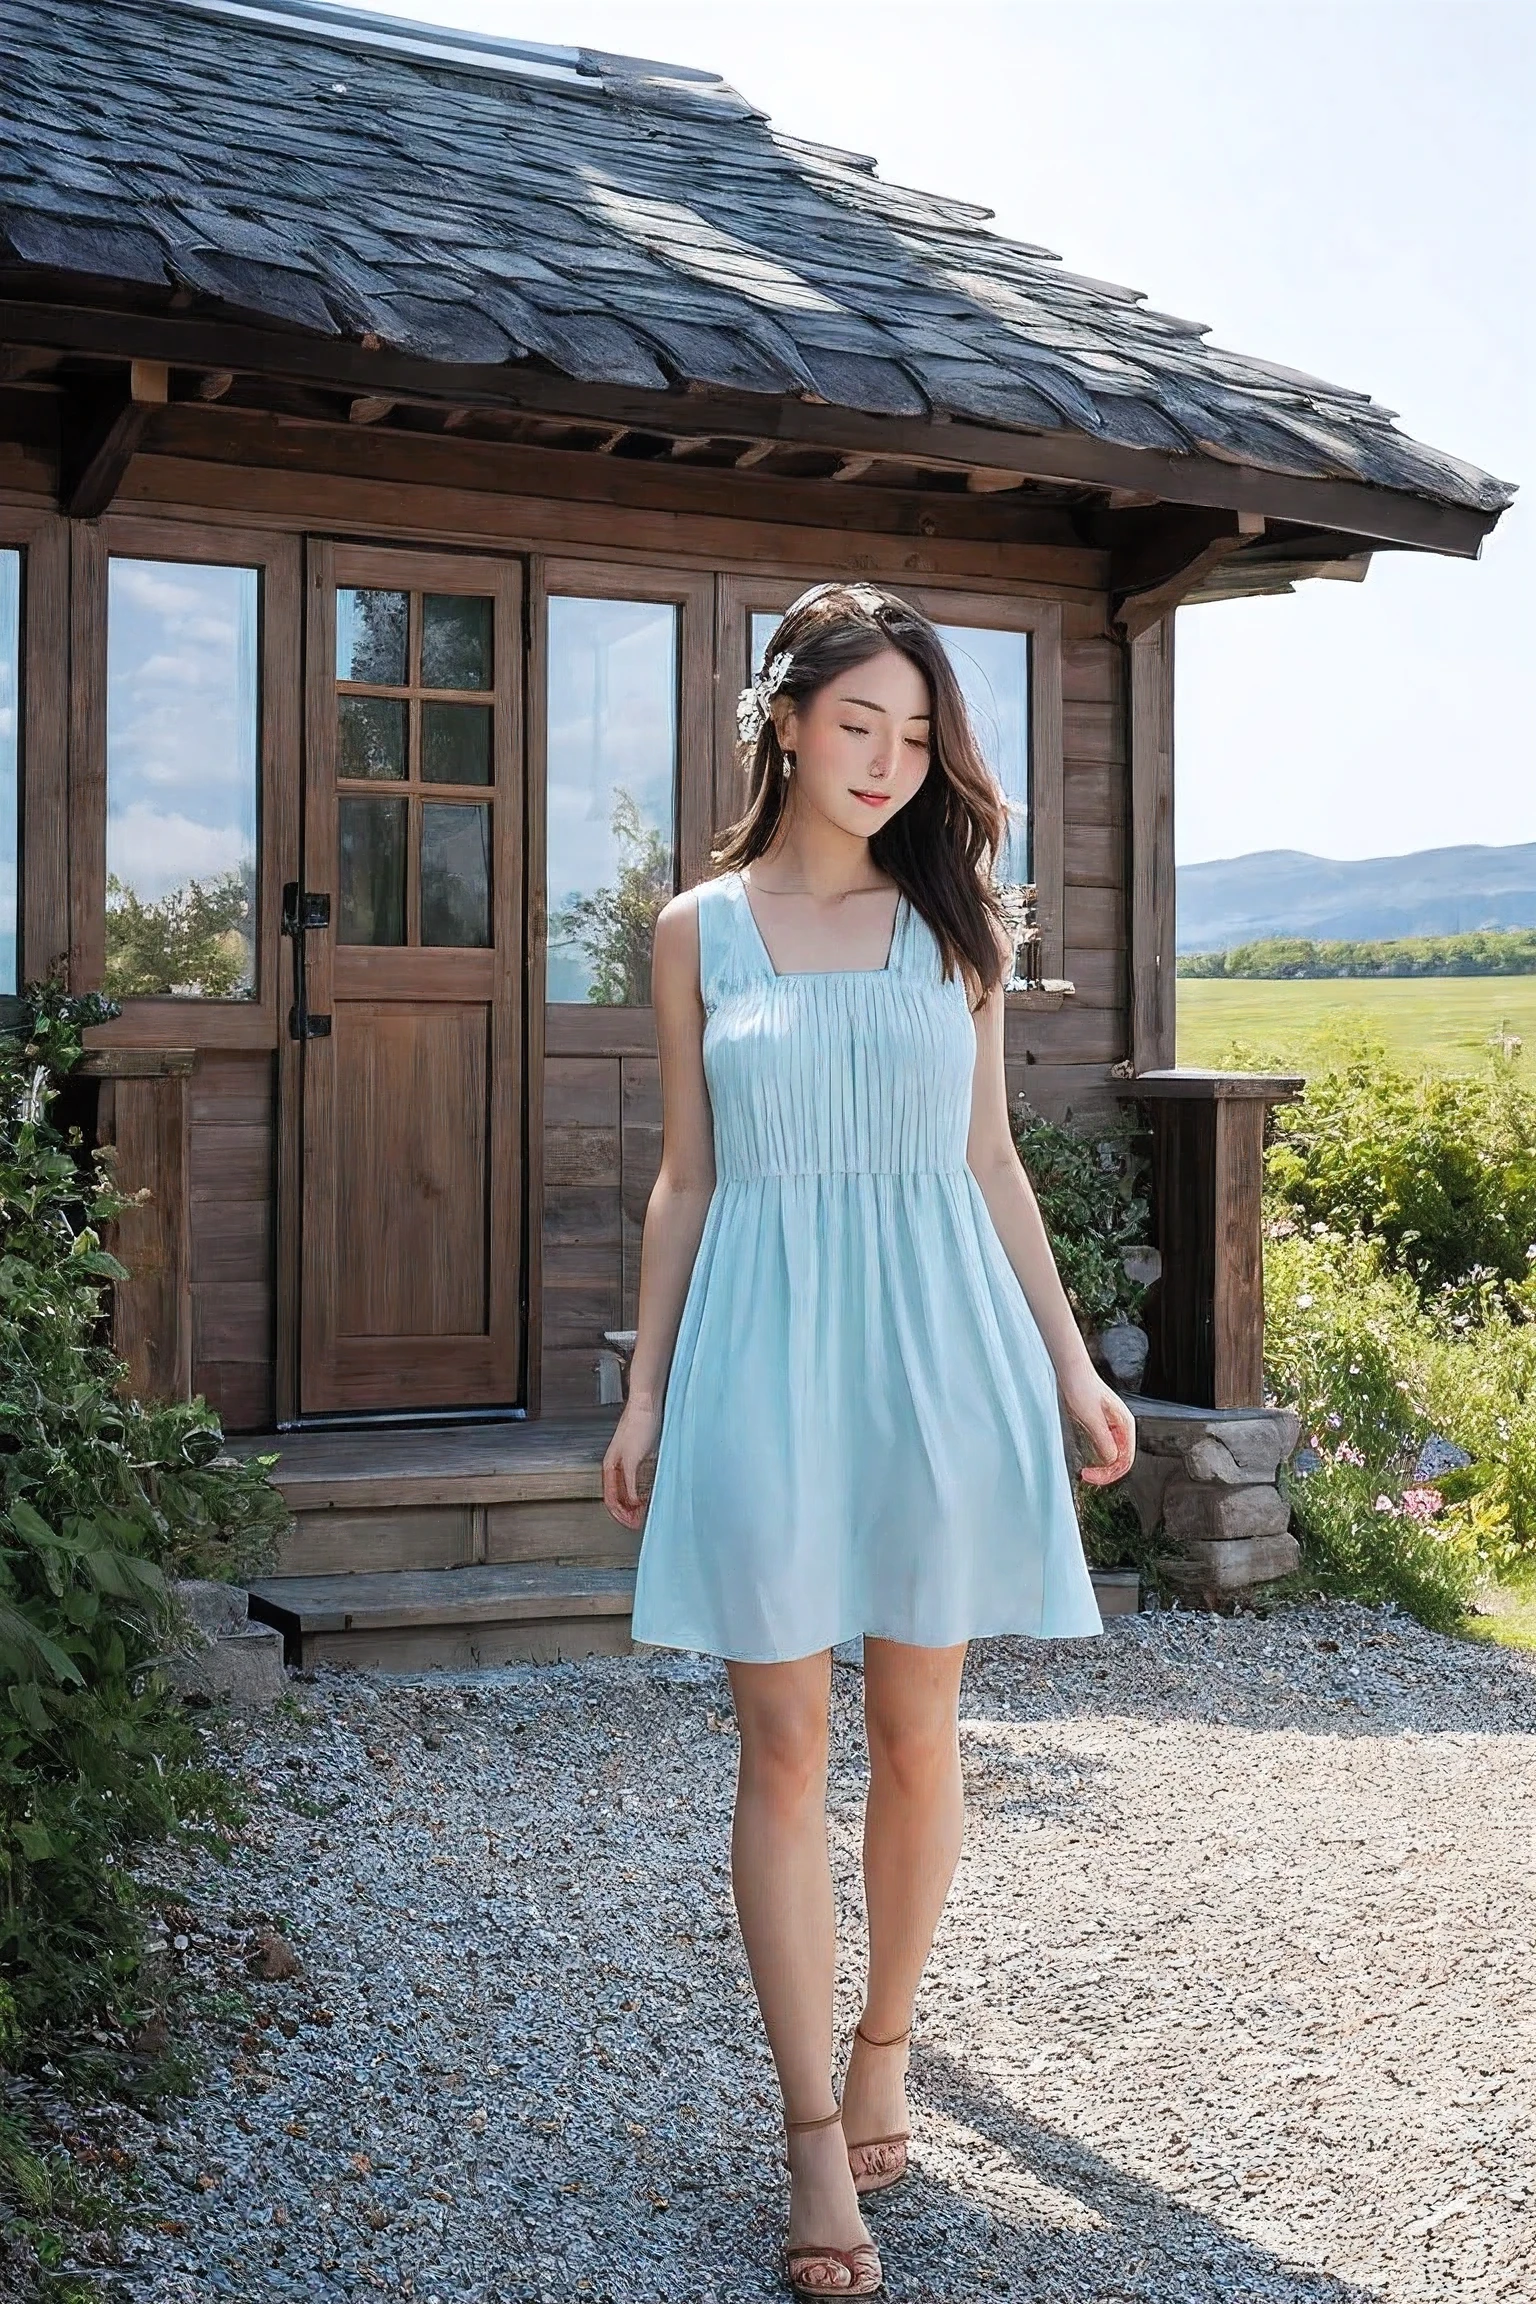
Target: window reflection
371,630
993,671
455,875
612,779
182,752
370,857
10,768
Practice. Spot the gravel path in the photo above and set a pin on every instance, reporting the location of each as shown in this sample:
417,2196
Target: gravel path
1232,1998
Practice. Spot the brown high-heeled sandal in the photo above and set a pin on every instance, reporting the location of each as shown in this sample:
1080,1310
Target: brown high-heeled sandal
890,2160
862,2264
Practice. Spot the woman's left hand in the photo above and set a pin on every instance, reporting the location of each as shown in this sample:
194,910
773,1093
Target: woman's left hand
1107,1424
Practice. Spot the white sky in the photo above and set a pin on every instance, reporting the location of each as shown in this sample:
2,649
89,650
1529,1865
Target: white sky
1346,186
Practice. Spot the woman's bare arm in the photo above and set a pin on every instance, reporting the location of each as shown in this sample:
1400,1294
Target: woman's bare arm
679,1198
993,1159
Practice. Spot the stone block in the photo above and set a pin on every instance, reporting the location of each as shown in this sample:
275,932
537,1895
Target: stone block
1208,1459
243,1668
214,1607
1260,1444
1219,1570
1195,1510
1258,1440
1143,1488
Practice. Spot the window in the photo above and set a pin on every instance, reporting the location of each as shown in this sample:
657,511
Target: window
992,667
612,706
183,747
415,709
10,771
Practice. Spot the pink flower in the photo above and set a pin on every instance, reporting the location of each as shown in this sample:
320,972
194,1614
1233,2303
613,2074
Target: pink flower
1422,1503
1385,1504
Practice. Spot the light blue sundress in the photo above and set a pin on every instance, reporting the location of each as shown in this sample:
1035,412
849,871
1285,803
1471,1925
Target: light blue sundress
860,1430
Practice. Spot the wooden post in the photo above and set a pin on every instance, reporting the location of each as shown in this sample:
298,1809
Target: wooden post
1205,1319
1152,926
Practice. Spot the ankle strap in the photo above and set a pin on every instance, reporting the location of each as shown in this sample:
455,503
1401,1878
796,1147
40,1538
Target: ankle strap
836,2113
874,2043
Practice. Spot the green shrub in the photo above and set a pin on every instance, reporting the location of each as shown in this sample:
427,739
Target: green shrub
1441,1169
102,1499
1091,1186
1375,1374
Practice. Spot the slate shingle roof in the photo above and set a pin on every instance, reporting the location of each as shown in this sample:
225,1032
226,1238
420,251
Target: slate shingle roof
607,219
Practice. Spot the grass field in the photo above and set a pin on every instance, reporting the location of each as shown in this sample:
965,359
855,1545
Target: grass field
1445,1023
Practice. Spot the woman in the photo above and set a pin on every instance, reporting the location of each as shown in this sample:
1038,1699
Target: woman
851,1340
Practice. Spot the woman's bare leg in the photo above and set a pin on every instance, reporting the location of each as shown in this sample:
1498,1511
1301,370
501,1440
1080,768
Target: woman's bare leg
913,1825
782,1883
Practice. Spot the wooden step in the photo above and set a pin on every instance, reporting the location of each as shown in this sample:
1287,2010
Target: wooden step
399,1497
404,1620
527,1612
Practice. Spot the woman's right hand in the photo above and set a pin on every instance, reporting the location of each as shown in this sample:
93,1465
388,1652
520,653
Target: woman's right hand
634,1439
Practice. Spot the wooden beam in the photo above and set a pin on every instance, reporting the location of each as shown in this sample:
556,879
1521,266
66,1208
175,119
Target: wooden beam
1137,612
99,429
1351,507
852,468
1152,925
987,480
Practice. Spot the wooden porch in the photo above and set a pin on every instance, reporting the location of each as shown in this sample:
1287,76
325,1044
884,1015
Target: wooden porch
460,1546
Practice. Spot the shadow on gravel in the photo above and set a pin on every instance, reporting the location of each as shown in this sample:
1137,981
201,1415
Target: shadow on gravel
1117,2239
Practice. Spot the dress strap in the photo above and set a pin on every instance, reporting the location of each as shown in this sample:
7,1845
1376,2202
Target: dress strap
719,938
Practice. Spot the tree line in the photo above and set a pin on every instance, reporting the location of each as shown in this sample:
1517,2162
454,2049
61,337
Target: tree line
1483,952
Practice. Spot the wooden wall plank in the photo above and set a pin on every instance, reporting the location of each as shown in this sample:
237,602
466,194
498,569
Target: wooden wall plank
232,1216
152,1308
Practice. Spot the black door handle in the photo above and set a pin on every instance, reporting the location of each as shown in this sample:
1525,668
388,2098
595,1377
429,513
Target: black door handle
304,909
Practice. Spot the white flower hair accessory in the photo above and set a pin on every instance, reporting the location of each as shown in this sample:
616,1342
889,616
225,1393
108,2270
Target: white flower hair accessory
752,703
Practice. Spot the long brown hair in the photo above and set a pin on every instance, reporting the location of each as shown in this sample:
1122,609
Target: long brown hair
941,849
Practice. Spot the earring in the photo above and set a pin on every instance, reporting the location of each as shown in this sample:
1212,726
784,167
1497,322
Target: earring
788,763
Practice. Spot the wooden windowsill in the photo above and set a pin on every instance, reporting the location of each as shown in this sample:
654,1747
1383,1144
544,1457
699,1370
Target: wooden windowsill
1190,1085
1041,998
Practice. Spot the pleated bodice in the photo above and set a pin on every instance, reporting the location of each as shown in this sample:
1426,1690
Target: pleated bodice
815,1072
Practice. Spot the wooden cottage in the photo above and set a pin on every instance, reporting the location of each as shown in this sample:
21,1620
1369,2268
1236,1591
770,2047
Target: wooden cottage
406,438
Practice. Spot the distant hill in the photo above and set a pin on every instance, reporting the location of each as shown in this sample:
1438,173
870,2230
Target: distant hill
1284,892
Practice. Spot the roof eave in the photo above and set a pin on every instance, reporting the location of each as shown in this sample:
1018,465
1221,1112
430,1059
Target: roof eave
1349,508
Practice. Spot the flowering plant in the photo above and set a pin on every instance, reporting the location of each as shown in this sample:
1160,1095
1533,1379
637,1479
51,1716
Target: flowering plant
752,703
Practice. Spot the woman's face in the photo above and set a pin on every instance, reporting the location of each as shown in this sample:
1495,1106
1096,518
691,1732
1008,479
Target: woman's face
862,742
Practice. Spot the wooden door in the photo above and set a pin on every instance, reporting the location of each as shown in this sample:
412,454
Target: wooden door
409,1003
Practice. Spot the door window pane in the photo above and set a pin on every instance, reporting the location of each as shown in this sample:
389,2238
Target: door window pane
455,874
370,736
10,769
612,782
456,743
371,633
455,641
993,671
371,860
183,746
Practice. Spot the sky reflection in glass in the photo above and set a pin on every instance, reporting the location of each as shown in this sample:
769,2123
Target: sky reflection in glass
612,780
